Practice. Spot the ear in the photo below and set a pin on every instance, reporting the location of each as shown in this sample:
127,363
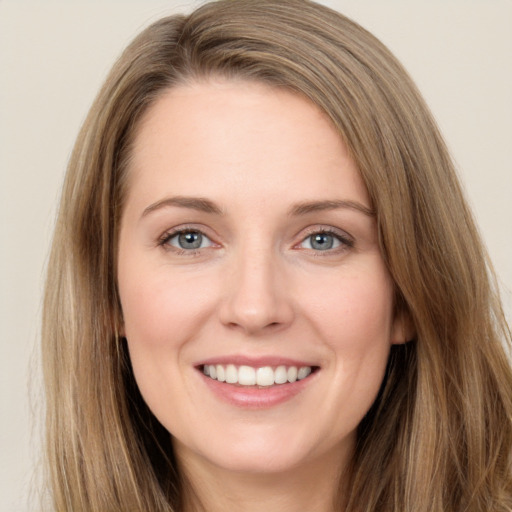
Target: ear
403,329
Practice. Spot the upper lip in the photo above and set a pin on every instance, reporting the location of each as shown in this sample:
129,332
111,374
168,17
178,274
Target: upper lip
255,361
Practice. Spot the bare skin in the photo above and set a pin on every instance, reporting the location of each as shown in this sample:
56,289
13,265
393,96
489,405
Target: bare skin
306,488
248,240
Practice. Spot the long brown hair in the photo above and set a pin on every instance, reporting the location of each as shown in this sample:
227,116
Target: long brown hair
439,436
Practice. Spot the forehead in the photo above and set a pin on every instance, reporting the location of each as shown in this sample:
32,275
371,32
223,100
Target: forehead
245,134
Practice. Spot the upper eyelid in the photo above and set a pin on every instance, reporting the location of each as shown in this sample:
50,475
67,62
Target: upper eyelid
168,234
184,228
312,230
302,235
346,241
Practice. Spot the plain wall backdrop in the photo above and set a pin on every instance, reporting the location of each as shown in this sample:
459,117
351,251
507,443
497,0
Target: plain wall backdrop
53,59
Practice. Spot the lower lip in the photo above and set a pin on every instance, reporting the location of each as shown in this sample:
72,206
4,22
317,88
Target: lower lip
254,397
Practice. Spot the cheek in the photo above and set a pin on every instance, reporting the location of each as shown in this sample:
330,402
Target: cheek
355,311
354,319
161,312
146,308
159,307
355,322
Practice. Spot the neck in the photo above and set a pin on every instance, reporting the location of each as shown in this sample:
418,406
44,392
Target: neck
316,486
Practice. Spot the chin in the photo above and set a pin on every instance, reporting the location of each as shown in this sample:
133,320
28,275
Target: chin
261,450
256,462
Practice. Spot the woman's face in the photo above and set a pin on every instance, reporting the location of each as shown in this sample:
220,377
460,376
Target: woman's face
248,251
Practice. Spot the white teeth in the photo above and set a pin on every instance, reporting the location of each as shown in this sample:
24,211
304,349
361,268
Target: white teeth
291,374
265,376
303,372
281,375
248,376
231,374
221,374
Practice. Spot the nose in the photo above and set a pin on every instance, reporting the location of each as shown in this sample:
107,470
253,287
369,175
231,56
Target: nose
256,299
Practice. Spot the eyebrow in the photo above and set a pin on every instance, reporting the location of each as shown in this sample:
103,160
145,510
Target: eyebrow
317,206
194,203
205,205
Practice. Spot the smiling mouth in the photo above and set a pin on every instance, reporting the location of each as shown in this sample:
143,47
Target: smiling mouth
265,376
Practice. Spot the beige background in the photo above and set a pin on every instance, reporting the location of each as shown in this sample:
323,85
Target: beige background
53,58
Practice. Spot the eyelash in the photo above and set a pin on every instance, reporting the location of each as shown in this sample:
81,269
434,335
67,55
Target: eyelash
164,240
345,241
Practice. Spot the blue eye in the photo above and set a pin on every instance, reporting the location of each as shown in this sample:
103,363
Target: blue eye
188,240
324,241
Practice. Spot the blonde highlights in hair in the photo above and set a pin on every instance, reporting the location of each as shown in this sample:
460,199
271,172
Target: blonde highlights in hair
439,436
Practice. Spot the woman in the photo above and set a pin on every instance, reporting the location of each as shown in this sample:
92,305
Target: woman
266,291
